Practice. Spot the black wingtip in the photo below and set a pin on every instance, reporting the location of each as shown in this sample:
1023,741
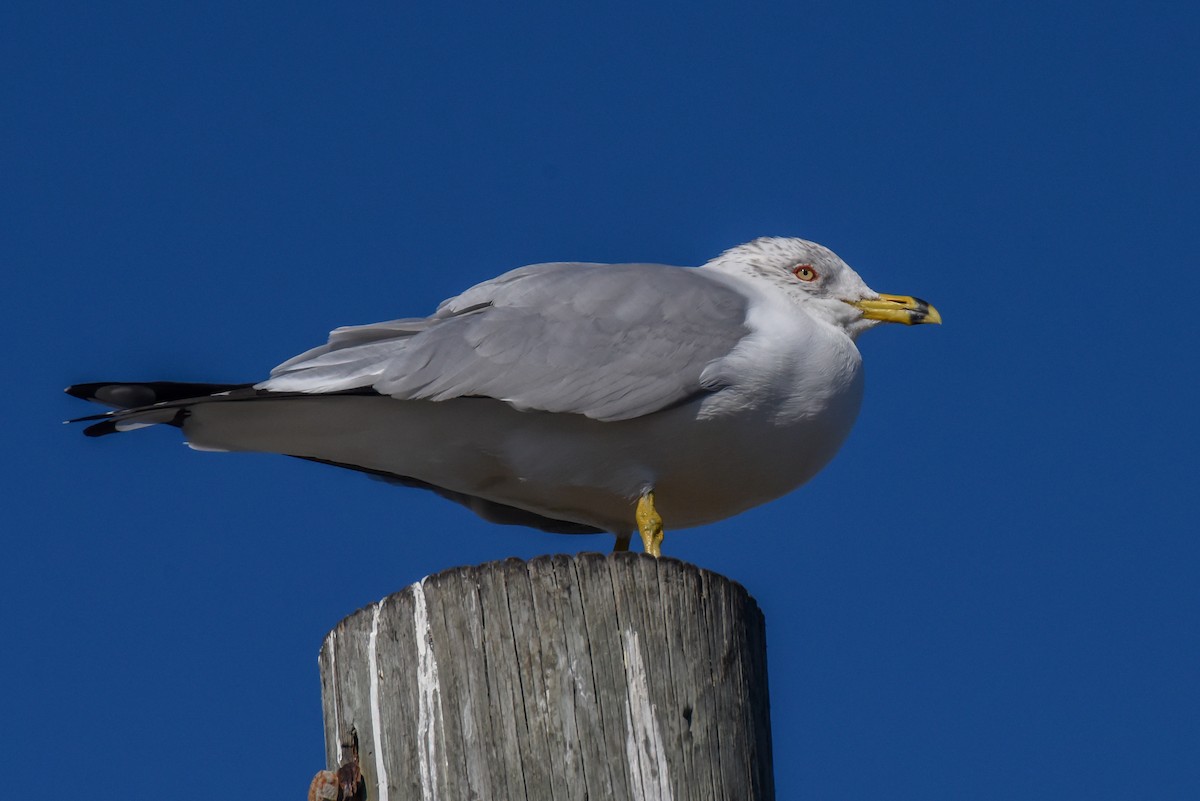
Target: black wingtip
103,423
83,391
132,394
101,429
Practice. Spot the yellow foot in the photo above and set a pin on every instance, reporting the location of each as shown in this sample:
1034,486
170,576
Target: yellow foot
650,525
622,543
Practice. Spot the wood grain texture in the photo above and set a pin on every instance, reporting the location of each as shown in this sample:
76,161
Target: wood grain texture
563,678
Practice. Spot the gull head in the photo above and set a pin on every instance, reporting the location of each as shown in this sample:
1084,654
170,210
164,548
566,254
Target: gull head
815,278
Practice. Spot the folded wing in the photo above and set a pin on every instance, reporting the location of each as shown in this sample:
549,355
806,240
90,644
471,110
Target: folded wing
579,338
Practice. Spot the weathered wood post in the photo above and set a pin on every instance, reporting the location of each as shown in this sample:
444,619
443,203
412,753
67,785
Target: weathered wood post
589,677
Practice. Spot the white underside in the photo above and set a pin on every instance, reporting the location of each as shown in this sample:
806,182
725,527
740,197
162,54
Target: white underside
565,467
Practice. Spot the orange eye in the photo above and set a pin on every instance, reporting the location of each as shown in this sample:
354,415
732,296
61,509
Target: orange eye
804,272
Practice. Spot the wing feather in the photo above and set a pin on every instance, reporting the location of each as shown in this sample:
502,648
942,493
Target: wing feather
608,341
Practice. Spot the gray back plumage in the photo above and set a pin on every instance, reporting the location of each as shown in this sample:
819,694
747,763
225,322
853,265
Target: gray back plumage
577,338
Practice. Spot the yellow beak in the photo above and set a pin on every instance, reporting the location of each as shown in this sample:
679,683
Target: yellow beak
898,309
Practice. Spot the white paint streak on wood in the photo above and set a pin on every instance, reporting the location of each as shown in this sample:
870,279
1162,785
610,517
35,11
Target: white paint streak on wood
429,698
337,724
376,724
650,779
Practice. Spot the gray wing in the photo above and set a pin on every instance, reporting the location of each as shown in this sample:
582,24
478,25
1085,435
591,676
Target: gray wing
611,342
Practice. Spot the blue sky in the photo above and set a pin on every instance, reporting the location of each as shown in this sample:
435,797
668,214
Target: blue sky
991,593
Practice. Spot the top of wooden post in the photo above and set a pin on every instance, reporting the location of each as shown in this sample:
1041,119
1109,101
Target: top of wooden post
612,676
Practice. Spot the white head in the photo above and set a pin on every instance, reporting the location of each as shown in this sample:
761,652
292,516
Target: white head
814,276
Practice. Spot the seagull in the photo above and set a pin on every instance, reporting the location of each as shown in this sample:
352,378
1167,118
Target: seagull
570,397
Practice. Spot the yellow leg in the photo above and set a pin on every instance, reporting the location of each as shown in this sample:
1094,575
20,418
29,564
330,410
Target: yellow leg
622,543
650,525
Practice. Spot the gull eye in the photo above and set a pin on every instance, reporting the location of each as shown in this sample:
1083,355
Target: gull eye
804,272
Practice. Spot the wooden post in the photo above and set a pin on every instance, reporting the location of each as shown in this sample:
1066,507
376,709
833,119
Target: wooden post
588,677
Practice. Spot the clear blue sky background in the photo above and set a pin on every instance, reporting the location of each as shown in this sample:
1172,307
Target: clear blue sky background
991,593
